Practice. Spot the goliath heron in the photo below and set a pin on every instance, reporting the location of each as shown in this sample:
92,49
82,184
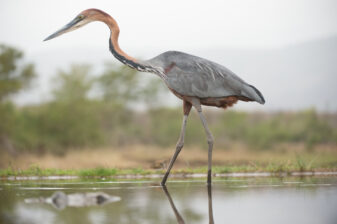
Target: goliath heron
196,81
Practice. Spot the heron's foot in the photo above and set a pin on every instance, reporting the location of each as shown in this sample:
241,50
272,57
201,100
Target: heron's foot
209,177
163,182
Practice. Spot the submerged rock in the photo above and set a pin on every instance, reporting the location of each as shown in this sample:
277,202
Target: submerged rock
61,200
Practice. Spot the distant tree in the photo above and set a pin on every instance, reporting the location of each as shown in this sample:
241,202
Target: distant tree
73,85
14,75
70,119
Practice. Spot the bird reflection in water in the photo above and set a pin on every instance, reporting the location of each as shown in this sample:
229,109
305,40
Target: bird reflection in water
60,200
180,219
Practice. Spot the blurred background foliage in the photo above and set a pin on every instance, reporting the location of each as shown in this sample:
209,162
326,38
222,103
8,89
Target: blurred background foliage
95,110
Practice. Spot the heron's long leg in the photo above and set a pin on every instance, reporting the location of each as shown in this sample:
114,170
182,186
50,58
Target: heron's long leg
210,141
196,103
180,143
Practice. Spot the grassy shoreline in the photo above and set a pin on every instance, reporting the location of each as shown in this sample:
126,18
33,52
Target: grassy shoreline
144,160
113,172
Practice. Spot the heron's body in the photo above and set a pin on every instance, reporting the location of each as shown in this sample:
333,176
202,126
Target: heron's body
195,80
213,84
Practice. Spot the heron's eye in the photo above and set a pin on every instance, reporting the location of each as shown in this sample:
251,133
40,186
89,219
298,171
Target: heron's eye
80,16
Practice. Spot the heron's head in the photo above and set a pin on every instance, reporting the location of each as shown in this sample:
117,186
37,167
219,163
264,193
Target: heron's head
80,20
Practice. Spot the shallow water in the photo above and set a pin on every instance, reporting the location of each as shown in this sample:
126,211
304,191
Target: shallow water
229,200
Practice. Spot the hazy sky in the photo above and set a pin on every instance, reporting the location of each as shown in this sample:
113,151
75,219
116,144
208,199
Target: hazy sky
173,24
150,27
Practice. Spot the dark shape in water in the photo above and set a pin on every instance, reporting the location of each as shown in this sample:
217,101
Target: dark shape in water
210,204
180,220
176,213
60,200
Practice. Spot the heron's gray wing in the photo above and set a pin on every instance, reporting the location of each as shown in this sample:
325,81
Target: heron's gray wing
194,76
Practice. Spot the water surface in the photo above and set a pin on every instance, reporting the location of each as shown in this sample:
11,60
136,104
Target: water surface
229,200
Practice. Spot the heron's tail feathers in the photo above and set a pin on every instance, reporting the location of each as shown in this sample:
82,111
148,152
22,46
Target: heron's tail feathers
252,93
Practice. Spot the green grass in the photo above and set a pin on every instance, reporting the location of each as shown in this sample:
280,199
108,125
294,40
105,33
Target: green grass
96,172
299,165
36,171
99,172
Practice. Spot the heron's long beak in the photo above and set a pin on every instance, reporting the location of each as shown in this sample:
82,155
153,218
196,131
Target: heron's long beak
73,25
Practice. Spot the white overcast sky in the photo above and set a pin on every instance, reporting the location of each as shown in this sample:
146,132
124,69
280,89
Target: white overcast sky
150,27
173,24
